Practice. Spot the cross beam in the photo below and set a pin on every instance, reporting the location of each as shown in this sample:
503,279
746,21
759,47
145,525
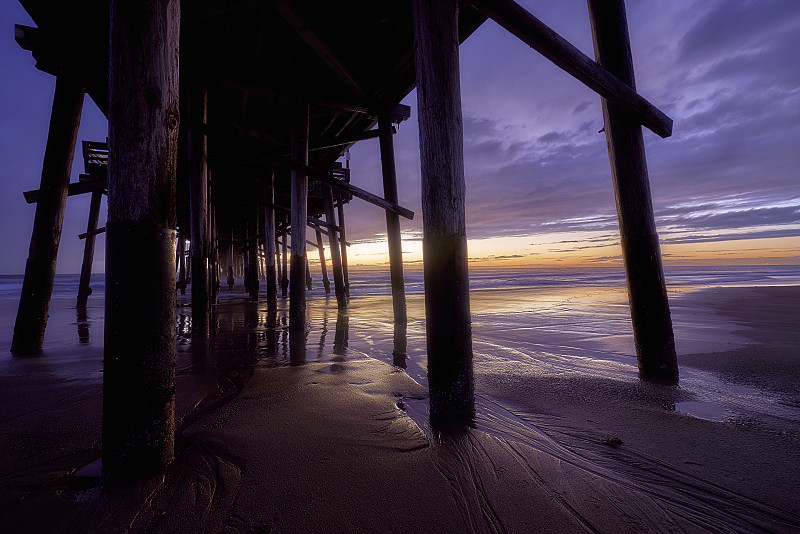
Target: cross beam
551,45
293,19
259,148
75,188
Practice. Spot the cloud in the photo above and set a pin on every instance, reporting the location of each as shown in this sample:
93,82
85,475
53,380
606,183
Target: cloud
736,27
732,236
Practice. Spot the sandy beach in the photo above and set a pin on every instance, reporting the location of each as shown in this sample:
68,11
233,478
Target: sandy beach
334,438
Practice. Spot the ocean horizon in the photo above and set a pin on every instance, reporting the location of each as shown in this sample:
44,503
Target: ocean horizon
375,280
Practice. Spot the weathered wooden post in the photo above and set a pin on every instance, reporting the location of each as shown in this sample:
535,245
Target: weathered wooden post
392,218
252,255
230,279
269,242
84,289
262,263
343,247
40,269
652,324
400,345
139,356
213,258
444,245
285,270
299,220
321,248
198,204
182,265
309,280
341,337
333,242
278,263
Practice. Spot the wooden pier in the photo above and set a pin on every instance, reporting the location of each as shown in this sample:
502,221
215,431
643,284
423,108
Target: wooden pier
227,122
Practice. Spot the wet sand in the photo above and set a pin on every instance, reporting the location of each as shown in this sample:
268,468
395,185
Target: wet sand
567,438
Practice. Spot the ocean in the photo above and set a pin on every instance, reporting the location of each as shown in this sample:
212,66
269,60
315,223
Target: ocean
568,324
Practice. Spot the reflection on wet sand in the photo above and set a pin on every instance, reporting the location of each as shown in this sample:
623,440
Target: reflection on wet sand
249,335
82,319
562,425
399,354
342,334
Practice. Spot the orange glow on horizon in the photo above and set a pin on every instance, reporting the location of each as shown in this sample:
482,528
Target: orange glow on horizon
582,250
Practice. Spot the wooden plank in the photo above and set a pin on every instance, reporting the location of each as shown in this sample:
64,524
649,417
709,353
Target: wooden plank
400,112
313,221
551,45
346,139
652,324
347,123
326,234
94,232
75,188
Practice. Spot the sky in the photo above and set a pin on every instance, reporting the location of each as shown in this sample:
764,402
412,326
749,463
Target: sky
725,186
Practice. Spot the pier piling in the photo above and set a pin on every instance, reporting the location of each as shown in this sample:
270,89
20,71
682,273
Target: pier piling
139,354
333,242
230,279
84,289
323,267
444,244
285,262
392,219
343,247
252,255
198,203
269,242
647,292
299,218
40,268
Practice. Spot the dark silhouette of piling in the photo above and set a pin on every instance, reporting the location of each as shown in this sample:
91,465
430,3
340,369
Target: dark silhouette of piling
252,255
213,258
278,262
285,261
269,243
448,327
139,356
230,279
333,242
323,267
299,220
84,289
392,219
652,324
198,204
40,269
182,265
343,247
